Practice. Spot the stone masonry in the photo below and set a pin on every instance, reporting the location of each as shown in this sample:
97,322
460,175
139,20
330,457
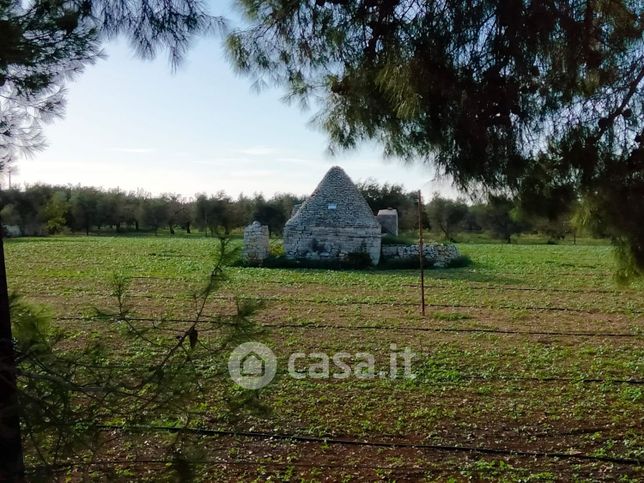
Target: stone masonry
255,242
333,222
439,255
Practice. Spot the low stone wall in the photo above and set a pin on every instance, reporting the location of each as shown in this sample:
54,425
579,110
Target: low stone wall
321,243
439,255
255,242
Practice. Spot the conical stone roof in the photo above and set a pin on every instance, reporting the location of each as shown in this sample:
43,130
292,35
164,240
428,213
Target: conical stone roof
336,202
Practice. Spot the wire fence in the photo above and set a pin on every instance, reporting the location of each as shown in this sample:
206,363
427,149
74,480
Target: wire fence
292,438
394,302
460,378
306,326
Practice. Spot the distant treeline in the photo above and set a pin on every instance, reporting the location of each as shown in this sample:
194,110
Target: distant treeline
44,209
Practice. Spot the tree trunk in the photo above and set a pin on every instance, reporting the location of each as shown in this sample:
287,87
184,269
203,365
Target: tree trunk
136,225
11,462
171,228
188,228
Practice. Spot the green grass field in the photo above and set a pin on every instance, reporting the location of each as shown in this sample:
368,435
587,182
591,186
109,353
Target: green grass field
531,355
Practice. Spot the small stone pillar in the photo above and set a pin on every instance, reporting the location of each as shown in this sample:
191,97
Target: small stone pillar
389,220
255,242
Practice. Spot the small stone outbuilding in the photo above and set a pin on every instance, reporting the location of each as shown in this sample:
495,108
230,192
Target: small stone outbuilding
333,222
256,242
389,220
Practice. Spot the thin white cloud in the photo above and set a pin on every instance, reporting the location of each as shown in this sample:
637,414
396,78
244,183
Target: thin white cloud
303,161
252,173
256,151
219,162
133,150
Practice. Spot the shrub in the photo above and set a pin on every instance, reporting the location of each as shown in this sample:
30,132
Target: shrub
276,248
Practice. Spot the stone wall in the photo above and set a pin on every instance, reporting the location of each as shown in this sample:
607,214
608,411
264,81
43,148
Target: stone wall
326,243
255,242
439,255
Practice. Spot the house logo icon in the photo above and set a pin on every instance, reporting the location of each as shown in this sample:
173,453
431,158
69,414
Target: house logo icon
252,365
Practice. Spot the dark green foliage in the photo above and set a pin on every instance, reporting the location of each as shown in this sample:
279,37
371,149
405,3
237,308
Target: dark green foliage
542,99
41,44
627,209
51,386
386,196
213,213
399,240
66,394
32,326
48,209
155,213
270,215
498,216
274,212
84,209
178,212
56,212
446,216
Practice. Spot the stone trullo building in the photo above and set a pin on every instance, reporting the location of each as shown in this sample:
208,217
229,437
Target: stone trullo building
333,222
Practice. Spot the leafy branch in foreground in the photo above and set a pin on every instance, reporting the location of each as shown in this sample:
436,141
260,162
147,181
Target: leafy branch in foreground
541,98
45,43
127,371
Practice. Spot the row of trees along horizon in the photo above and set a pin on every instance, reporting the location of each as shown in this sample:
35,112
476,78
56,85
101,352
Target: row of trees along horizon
42,209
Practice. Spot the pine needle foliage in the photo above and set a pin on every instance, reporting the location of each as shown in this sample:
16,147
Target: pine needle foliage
540,98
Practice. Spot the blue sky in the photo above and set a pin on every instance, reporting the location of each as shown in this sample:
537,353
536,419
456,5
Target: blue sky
133,124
